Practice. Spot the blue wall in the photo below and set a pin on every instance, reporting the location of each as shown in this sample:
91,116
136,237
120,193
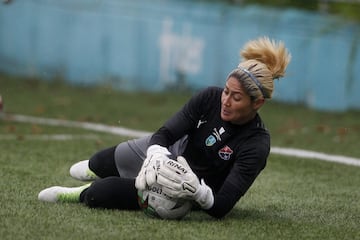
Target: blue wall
151,45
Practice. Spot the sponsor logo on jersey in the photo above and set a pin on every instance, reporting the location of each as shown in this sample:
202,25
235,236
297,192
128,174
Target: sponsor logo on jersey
217,133
225,153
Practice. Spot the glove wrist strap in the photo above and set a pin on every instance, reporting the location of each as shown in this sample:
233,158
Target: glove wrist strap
204,196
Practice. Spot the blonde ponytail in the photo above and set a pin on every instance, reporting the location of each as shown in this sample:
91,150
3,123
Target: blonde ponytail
263,60
273,54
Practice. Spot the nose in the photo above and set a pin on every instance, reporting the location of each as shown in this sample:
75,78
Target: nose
226,100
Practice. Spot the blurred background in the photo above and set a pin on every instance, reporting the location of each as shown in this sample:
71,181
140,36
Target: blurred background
157,45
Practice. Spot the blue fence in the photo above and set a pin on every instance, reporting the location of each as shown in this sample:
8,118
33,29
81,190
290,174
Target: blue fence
154,45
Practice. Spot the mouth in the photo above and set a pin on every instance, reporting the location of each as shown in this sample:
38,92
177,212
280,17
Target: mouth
225,112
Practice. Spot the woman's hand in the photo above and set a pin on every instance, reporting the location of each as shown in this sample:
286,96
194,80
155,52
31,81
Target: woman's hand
178,180
155,156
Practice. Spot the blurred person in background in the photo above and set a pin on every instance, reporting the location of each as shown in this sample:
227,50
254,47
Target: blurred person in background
219,134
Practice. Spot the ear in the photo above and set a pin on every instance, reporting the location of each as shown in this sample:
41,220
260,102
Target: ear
257,104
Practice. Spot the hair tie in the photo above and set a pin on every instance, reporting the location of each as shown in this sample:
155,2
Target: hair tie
255,80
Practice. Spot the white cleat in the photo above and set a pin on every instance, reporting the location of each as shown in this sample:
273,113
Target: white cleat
62,194
82,172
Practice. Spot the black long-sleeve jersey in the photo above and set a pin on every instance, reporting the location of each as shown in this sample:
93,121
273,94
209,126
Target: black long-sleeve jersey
227,156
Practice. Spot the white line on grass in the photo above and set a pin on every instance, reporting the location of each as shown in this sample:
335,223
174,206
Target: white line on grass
49,137
135,133
66,123
315,155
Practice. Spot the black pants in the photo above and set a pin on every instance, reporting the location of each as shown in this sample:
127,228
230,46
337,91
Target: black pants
111,191
117,168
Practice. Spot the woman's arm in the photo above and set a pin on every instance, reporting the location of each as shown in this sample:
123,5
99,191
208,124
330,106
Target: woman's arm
242,175
182,122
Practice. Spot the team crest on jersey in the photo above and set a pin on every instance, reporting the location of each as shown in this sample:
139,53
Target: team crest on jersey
225,153
211,140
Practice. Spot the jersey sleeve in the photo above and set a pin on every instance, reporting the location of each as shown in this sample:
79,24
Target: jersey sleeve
182,122
246,168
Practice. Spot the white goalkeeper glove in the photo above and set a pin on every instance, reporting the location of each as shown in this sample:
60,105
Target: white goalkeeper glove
178,180
155,156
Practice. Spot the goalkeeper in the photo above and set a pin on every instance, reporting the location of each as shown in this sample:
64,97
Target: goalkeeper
219,134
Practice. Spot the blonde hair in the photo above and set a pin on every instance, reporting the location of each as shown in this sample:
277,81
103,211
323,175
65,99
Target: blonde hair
263,60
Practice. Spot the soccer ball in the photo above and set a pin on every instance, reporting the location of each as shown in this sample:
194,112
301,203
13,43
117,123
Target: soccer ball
155,203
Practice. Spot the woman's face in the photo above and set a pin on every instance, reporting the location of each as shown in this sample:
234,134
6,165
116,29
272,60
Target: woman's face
236,105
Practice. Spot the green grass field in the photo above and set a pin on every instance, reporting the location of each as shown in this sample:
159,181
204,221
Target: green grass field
293,198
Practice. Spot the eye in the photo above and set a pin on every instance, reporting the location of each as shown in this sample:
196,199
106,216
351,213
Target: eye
237,98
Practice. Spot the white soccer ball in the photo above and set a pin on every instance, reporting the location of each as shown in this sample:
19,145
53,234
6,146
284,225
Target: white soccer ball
155,203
